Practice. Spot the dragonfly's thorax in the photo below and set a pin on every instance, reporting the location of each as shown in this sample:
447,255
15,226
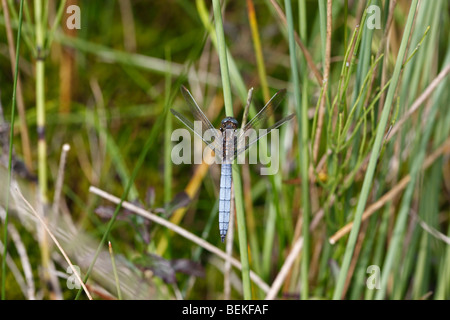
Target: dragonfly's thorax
228,129
228,123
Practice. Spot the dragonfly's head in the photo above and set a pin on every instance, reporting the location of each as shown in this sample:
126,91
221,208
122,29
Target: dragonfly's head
228,123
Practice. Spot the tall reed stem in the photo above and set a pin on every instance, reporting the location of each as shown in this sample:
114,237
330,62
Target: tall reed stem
40,101
242,230
302,119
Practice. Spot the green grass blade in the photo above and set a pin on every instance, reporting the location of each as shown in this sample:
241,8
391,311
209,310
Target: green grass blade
116,276
11,138
238,193
302,119
167,141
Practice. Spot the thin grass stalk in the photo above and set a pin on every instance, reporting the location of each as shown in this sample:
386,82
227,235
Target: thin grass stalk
25,262
269,237
302,119
345,23
284,271
303,23
326,75
443,278
304,64
116,276
255,260
258,50
368,178
367,248
26,28
377,257
406,265
56,23
40,100
11,138
443,287
40,9
126,12
20,102
16,272
344,69
240,217
235,76
323,26
428,210
251,220
59,180
167,139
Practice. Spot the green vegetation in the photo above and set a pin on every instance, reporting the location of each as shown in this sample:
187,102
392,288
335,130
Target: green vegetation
361,197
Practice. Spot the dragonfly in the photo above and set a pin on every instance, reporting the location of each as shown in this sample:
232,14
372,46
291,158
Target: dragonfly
229,141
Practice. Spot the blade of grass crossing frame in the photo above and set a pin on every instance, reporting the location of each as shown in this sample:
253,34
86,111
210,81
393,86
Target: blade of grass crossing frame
258,50
11,136
302,118
116,276
167,136
242,231
304,267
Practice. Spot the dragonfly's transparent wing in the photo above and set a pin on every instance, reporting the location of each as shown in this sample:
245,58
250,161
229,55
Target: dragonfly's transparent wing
242,146
257,122
265,112
201,130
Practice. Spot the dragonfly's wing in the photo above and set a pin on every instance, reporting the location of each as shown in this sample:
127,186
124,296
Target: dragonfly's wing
257,122
265,112
195,110
254,137
198,115
213,145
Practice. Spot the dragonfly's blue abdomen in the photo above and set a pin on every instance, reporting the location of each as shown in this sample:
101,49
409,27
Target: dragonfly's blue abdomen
224,199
